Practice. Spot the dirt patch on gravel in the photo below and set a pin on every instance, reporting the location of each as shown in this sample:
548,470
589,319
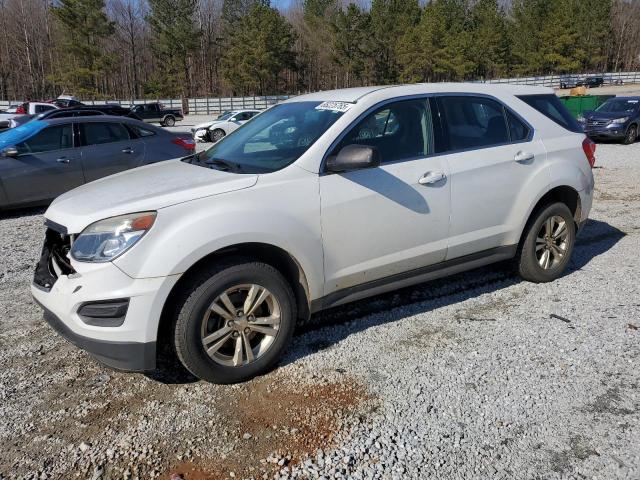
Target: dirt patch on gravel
277,425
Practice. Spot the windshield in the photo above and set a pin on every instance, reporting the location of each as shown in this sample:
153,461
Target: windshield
19,134
272,140
225,116
619,105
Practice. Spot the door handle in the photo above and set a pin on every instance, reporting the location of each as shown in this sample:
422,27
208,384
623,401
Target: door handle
523,157
430,178
128,150
63,160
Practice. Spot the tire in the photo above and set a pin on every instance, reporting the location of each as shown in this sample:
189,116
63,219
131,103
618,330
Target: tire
169,121
530,258
631,135
204,321
217,135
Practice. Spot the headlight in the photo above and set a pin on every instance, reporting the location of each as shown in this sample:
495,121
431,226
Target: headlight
580,118
105,240
619,120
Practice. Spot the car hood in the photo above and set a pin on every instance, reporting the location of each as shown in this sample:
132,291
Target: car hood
606,115
151,187
206,124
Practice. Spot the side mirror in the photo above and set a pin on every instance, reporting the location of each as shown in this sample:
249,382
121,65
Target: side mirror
9,152
354,157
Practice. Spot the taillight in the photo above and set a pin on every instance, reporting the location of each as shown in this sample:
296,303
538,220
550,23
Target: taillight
589,147
186,143
21,110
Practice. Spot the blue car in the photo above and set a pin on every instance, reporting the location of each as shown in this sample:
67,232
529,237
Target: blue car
45,158
616,119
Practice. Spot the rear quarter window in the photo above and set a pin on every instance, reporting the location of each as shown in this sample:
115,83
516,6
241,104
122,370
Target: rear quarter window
551,107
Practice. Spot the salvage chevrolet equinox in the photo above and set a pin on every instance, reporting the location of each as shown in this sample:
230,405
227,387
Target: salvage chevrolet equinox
321,200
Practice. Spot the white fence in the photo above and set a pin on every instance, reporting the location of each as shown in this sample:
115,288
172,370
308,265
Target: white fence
197,106
554,81
211,106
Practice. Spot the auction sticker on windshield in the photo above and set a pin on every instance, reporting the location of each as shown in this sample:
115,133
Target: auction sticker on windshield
335,106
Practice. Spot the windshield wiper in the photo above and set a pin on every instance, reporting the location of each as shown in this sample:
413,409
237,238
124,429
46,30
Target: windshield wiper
224,165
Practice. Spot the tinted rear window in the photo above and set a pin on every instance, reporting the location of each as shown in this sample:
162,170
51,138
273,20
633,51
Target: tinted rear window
472,122
551,107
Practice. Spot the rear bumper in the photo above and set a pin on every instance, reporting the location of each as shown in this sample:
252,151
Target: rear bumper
129,356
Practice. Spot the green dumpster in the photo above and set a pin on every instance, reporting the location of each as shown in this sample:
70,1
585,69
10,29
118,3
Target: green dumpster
582,103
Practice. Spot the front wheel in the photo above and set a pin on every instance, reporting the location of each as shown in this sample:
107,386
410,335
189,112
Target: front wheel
217,135
631,136
236,321
547,245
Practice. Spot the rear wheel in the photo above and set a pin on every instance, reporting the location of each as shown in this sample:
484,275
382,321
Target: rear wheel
236,321
547,244
631,136
169,121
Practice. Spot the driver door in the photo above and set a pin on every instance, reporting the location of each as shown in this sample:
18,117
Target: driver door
47,165
385,221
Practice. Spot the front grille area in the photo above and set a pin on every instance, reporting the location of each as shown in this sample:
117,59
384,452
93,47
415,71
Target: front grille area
54,259
596,123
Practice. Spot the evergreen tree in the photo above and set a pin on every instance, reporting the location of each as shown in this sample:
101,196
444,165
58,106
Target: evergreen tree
350,37
260,49
440,46
234,10
593,21
529,19
490,46
84,25
390,19
174,41
561,48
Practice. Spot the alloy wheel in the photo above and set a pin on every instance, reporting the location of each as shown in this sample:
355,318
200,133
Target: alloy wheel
240,325
551,242
217,135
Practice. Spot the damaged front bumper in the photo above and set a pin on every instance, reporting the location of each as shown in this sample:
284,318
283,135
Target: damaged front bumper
98,307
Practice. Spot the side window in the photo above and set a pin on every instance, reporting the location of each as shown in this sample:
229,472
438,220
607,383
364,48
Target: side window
551,107
140,132
517,129
58,137
472,122
101,133
400,130
43,108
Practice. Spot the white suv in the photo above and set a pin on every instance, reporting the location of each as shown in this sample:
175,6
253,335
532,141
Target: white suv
324,199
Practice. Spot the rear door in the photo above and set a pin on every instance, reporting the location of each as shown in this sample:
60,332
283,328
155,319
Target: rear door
491,155
108,148
47,165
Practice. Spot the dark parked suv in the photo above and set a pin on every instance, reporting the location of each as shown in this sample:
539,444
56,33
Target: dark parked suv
616,119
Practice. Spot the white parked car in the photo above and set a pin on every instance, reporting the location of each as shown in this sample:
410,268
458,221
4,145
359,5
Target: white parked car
24,109
321,200
222,126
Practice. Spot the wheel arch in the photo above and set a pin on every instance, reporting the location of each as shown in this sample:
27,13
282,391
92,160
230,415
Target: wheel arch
270,254
213,128
561,193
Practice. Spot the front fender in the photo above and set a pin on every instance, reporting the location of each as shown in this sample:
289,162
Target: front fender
285,215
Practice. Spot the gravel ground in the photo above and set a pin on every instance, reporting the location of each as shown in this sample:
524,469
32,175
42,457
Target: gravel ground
477,376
